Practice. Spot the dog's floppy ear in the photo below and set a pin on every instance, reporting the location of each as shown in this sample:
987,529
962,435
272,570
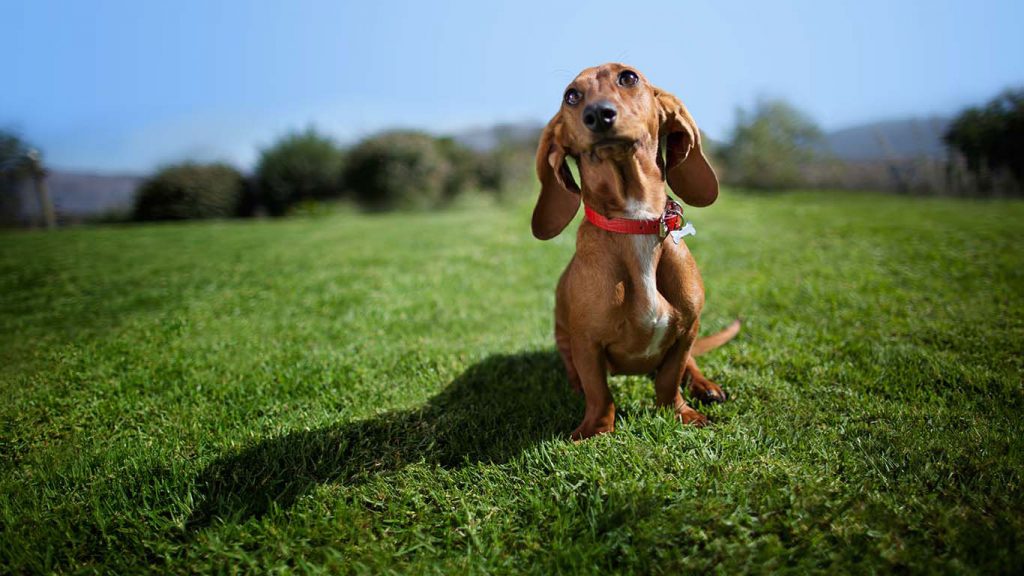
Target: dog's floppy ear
559,194
686,169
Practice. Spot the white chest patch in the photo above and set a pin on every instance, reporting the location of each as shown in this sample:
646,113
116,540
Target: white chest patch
657,335
643,247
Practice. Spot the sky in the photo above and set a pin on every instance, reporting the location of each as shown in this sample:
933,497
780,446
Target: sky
126,86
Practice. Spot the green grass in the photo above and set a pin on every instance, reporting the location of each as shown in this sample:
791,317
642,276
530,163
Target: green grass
381,393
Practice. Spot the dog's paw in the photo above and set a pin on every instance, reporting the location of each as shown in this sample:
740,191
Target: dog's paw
691,417
586,430
711,396
707,392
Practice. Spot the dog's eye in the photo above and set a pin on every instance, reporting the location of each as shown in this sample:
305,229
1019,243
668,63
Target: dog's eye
628,78
573,96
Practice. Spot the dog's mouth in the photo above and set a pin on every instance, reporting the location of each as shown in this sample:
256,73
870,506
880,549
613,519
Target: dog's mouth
613,141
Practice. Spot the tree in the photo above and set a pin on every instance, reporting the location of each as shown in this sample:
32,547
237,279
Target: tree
300,166
19,161
770,146
991,138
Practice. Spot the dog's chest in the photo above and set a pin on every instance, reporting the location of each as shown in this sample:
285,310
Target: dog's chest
651,316
646,326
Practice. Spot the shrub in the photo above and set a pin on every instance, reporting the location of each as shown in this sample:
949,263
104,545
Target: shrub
398,170
770,146
190,190
464,167
298,167
506,168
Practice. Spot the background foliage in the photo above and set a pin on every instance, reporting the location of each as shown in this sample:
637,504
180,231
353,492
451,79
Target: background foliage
770,146
12,171
402,170
191,191
299,167
991,141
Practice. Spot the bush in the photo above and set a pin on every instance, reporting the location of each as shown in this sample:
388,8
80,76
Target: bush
299,167
190,190
464,167
506,168
770,147
399,170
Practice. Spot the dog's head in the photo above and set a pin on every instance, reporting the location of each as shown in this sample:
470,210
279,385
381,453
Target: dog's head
609,112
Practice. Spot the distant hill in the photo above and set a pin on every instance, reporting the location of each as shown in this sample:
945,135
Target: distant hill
891,139
79,195
513,134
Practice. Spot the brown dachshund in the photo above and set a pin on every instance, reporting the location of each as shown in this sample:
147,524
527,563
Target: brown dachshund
630,300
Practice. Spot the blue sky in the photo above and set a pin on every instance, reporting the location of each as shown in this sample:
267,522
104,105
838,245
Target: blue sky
129,85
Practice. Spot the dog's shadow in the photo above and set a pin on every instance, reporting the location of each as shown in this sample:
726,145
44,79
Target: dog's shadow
493,411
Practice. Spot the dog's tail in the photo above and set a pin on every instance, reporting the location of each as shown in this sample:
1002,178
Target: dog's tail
709,343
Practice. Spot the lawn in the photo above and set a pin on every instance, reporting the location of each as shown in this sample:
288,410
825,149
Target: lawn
381,393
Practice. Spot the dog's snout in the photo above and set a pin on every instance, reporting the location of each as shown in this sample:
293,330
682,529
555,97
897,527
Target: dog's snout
599,116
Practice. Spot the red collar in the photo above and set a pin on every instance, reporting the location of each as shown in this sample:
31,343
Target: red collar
671,219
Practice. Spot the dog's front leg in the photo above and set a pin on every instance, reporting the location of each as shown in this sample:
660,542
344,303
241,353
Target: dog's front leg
592,367
670,375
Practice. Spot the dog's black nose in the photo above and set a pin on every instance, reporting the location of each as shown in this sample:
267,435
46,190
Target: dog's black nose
599,116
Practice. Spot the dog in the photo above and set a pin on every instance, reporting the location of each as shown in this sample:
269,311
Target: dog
629,301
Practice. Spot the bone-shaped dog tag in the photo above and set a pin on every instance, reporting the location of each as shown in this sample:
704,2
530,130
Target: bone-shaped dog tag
687,230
